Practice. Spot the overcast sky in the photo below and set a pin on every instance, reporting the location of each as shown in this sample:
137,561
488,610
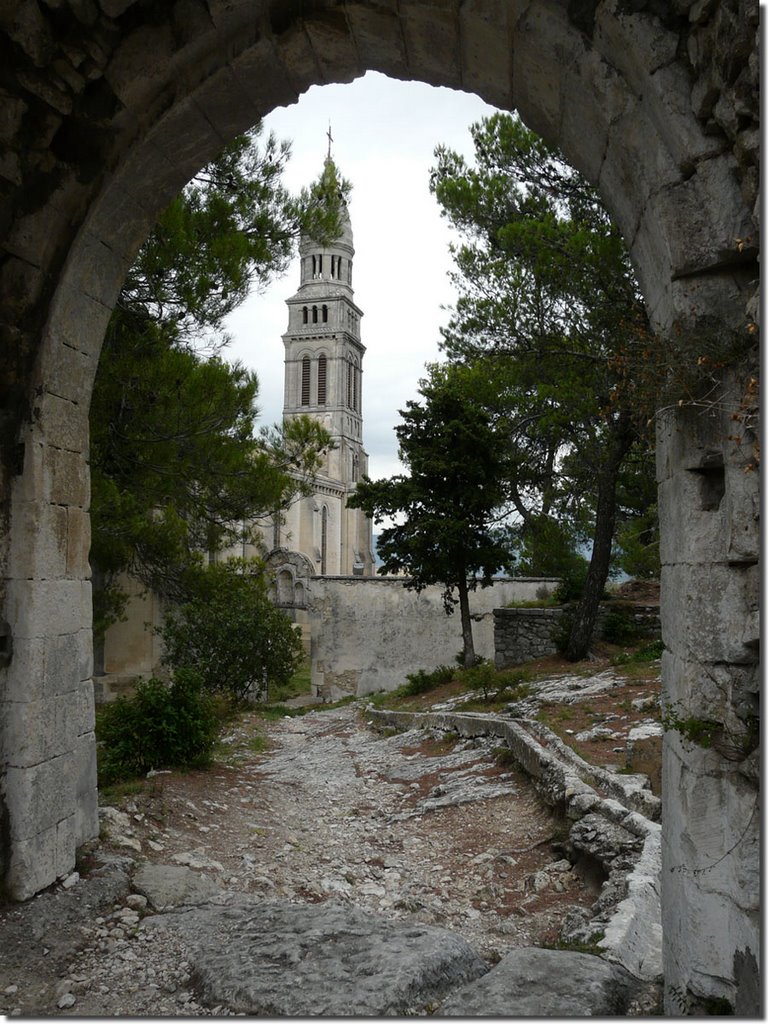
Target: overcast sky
384,133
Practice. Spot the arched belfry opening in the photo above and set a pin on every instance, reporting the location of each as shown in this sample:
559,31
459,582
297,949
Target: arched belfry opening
646,100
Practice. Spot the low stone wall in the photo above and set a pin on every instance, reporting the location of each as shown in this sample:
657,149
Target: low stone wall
368,633
631,924
524,634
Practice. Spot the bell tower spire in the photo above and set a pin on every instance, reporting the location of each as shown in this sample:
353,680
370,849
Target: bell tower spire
324,379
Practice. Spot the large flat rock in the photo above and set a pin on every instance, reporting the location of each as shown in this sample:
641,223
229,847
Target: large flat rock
173,885
536,982
283,959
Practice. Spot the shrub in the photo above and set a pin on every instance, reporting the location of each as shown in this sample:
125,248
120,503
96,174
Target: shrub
618,628
160,726
423,681
230,633
481,677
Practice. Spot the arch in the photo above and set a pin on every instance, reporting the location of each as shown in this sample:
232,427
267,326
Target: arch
634,101
305,315
284,584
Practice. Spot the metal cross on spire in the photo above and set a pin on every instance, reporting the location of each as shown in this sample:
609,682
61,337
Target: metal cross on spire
330,139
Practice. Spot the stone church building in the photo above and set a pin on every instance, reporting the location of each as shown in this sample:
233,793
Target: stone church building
317,535
324,379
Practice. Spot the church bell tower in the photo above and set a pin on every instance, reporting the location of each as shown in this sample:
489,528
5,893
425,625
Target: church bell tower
324,379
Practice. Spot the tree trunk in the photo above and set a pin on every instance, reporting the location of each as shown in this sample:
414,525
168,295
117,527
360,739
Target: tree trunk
466,623
605,520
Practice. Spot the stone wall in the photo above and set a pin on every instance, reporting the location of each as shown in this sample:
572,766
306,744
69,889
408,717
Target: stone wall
109,107
523,634
710,545
369,633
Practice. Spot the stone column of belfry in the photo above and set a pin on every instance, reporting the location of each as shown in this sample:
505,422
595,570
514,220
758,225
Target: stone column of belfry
323,379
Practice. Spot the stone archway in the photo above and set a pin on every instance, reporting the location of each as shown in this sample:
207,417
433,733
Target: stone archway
112,105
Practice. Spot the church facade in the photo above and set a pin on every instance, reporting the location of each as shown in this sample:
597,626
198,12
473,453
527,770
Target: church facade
324,379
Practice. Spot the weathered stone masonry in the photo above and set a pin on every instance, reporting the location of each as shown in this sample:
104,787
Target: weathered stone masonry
109,106
522,634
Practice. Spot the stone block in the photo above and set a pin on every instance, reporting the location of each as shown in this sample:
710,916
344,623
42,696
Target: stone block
40,608
24,677
703,219
297,57
545,43
38,543
69,371
226,104
594,97
688,533
76,320
66,477
711,303
34,236
716,692
40,730
709,612
41,796
486,54
121,217
332,45
636,43
711,832
378,39
78,543
431,33
63,420
86,820
188,141
140,64
85,710
742,513
99,269
685,439
669,98
263,78
38,861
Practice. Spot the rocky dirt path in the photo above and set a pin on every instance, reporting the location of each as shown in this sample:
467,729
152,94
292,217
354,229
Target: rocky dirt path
414,826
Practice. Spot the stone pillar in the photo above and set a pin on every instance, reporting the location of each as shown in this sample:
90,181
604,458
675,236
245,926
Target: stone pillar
48,804
708,496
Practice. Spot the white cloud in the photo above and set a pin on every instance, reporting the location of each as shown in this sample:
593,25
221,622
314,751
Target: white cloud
385,133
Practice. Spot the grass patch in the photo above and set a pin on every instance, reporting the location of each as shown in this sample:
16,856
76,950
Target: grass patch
117,791
590,947
298,685
642,655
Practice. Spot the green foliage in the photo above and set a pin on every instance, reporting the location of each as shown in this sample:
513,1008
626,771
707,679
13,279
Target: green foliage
446,509
638,542
176,461
230,633
648,652
618,627
423,681
160,726
547,297
481,677
548,547
298,685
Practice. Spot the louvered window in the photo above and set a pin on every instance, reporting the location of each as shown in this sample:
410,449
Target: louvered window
322,378
305,370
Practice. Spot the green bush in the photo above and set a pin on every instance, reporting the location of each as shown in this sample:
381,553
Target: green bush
481,677
618,628
422,681
160,726
230,633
